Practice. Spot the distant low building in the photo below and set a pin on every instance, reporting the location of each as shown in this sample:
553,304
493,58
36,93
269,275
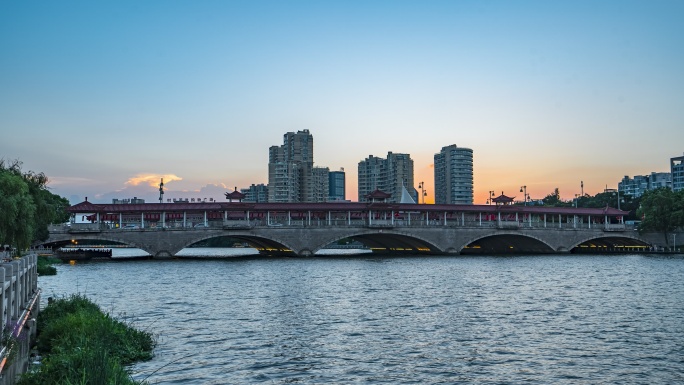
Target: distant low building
133,201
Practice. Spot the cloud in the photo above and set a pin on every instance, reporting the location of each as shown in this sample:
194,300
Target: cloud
151,179
65,180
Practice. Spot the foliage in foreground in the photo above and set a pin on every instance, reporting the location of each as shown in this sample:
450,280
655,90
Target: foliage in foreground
82,345
45,265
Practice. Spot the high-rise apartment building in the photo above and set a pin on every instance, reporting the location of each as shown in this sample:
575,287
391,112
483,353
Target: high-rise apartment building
390,175
677,171
291,174
255,193
638,185
633,186
336,186
318,192
454,175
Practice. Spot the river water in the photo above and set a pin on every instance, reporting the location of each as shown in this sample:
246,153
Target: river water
565,319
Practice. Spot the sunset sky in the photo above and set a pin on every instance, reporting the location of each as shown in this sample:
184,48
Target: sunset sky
106,98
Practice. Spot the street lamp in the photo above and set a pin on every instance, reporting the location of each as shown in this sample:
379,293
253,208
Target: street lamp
618,196
523,189
421,186
576,199
491,196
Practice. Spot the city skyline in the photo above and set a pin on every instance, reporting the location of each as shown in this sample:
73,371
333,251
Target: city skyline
107,99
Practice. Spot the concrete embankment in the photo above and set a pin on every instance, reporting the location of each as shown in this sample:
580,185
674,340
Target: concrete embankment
20,304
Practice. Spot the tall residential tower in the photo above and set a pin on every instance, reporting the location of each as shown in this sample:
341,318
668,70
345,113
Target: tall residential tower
292,176
390,175
454,176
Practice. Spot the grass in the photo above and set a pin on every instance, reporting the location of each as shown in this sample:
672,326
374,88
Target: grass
82,345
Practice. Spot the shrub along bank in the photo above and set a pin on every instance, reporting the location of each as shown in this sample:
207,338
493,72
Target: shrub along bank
82,345
45,265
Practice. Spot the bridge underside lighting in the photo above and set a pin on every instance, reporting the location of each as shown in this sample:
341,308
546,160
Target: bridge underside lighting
507,244
611,244
393,243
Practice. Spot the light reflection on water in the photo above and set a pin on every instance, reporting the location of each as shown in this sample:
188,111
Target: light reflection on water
538,319
129,252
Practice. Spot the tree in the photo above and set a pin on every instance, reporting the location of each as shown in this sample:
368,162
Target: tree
26,206
554,199
50,208
661,210
17,211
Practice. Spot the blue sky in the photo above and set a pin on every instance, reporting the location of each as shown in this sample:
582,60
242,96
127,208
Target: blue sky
107,97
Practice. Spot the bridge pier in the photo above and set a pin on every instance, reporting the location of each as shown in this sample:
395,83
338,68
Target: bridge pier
163,254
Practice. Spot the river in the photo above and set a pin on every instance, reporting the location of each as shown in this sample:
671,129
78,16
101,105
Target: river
562,319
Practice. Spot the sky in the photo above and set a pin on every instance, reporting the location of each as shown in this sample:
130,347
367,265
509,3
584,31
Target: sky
107,98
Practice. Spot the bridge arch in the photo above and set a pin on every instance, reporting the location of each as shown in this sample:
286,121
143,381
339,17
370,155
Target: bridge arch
265,245
59,240
385,241
610,243
506,242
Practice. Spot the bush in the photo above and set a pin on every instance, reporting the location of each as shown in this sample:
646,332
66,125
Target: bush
45,265
82,345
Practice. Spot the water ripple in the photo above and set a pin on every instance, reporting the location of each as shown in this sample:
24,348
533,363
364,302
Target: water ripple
539,320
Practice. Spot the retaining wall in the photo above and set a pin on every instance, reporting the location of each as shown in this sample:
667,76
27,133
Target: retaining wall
19,307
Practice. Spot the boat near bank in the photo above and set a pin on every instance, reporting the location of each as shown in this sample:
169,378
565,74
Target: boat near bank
73,254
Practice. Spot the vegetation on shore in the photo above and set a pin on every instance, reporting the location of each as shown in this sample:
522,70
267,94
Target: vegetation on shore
27,206
82,345
661,210
45,265
600,200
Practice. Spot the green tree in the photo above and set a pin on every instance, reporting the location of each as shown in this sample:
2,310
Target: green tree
50,208
554,199
26,206
661,210
17,211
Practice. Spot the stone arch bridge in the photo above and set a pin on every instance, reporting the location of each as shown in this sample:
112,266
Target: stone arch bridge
163,230
432,240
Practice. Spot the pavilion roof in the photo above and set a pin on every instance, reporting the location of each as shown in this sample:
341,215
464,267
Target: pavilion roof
378,194
235,195
84,207
503,199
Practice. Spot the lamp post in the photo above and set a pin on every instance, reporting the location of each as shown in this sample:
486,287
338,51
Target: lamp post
618,196
491,196
523,189
421,186
576,199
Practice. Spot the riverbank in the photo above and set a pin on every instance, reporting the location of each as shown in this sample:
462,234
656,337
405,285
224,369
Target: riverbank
77,341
